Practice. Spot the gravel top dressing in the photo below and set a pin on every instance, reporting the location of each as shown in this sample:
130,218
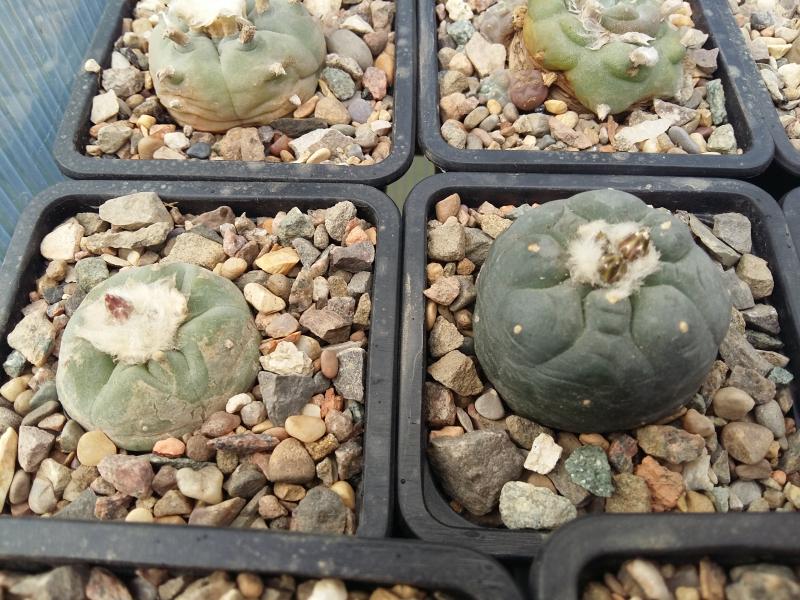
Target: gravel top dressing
509,78
732,447
205,369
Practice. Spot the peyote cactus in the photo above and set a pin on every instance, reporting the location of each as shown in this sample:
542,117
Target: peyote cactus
154,350
611,54
218,64
598,313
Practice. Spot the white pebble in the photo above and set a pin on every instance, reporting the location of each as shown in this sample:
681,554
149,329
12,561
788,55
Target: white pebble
237,403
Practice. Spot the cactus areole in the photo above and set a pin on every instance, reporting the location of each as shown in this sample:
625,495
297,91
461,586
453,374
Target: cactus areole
598,313
218,64
610,54
152,351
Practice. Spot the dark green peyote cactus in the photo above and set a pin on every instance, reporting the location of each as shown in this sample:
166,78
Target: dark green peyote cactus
153,351
611,54
598,313
218,64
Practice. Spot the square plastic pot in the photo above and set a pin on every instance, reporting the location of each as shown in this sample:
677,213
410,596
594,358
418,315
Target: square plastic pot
582,551
73,134
739,98
758,100
791,210
423,507
121,549
23,264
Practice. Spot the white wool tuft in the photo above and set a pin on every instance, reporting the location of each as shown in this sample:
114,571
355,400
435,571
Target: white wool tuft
159,309
646,56
203,13
585,252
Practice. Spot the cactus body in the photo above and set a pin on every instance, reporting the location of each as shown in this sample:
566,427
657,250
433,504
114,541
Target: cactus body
218,64
611,54
152,351
598,313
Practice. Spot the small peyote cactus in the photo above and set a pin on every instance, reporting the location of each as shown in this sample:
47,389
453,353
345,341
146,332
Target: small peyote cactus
611,54
598,313
218,64
153,351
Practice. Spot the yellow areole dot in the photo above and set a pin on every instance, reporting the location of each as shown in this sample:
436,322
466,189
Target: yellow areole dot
683,326
517,329
586,402
666,225
534,247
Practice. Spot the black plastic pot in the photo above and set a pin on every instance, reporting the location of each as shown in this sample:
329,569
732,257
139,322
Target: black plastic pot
122,549
791,210
424,508
23,264
73,133
758,100
582,551
758,147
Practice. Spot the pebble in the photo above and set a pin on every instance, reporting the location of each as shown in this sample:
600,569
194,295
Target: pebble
320,511
631,495
474,467
544,455
588,467
291,463
204,484
666,487
456,371
220,423
732,403
670,443
746,442
8,455
33,446
526,506
130,475
304,428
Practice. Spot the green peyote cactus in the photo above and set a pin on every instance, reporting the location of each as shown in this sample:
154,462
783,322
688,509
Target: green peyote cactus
152,351
598,313
218,64
611,54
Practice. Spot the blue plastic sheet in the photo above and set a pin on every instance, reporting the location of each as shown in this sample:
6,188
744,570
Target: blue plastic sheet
42,43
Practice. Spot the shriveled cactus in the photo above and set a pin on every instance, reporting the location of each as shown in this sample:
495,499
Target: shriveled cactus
598,313
152,351
218,64
611,54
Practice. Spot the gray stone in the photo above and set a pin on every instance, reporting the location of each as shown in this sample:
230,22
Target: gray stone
454,133
746,491
721,251
90,272
715,95
349,381
523,505
321,511
359,109
337,217
770,416
523,431
124,81
42,497
339,82
741,296
781,376
33,447
443,338
474,467
722,139
81,508
67,440
752,582
9,418
763,317
297,127
349,458
737,351
34,337
217,515
347,43
284,395
40,412
148,236
46,393
790,459
477,245
447,242
681,138
461,31
294,224
113,137
14,365
355,258
734,230
62,583
306,251
588,467
326,324
670,443
197,250
695,473
135,211
751,381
